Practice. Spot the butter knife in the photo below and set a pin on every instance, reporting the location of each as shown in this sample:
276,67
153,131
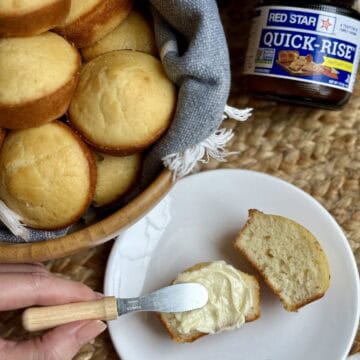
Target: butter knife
174,298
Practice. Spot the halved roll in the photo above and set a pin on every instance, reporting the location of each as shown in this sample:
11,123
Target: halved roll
31,17
38,76
124,102
134,33
90,20
288,256
47,175
115,176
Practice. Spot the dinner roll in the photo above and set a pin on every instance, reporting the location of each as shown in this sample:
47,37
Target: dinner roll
90,20
234,299
2,136
288,256
134,33
38,76
115,176
124,102
31,17
47,175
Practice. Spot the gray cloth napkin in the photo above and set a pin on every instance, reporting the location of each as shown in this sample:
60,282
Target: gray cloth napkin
197,61
194,52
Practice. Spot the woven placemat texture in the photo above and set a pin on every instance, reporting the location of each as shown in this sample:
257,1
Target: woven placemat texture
316,150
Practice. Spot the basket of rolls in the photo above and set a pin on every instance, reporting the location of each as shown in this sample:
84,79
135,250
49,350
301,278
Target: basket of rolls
91,107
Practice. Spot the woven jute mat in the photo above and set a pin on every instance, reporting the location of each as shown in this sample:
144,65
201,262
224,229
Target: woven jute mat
316,150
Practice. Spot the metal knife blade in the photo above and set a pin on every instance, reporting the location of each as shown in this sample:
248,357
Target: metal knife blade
174,298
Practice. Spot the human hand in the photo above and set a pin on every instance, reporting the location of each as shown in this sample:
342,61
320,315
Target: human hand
24,285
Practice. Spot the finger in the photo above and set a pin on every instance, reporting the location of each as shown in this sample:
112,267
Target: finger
62,343
40,288
19,268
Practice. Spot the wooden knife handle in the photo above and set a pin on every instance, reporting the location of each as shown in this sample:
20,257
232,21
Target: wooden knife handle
46,317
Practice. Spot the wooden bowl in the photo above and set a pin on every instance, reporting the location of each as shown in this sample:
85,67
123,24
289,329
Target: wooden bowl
93,235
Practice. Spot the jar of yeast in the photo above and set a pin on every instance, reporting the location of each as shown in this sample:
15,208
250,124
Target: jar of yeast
304,52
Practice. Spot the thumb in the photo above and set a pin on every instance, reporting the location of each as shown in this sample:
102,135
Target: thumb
61,343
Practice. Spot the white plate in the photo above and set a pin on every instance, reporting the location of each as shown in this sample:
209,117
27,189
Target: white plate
198,221
354,357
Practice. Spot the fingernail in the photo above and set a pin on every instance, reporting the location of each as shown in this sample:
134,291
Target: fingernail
99,295
90,331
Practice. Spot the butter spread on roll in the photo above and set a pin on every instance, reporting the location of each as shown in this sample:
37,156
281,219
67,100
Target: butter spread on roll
229,299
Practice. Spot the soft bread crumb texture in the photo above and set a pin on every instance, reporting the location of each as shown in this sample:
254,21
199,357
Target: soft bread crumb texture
171,323
134,33
19,7
124,101
34,67
287,255
46,175
115,176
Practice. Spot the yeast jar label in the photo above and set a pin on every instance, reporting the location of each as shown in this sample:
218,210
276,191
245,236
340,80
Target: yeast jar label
304,45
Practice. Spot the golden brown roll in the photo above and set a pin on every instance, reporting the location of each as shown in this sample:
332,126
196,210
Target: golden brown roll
115,176
38,76
47,175
31,17
134,33
287,256
124,102
2,137
90,20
